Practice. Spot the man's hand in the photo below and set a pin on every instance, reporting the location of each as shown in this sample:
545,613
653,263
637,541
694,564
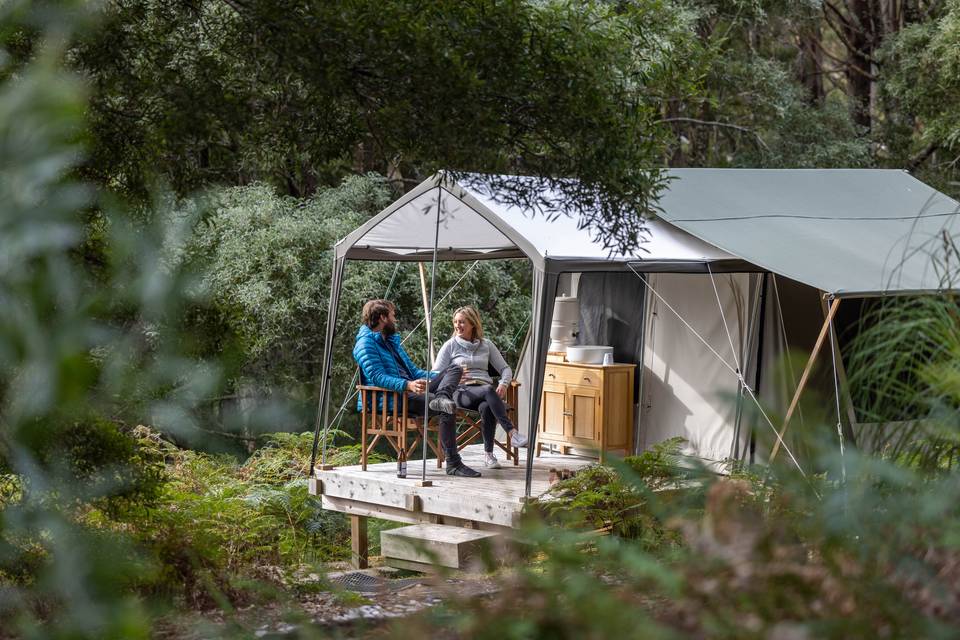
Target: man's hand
502,391
416,387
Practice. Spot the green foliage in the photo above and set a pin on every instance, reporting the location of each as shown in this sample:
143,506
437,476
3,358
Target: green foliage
267,262
765,555
109,316
297,94
601,498
903,371
921,74
211,525
749,109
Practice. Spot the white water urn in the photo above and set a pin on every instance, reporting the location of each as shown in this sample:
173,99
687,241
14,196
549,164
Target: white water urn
566,323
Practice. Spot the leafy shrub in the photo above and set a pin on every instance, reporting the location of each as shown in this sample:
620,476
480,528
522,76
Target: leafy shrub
774,557
206,525
616,500
903,364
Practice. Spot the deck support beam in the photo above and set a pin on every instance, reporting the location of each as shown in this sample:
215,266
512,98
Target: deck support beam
359,543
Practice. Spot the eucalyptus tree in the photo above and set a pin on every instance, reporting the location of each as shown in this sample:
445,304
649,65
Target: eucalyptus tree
298,94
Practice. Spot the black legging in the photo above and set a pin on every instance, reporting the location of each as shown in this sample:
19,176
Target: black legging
484,398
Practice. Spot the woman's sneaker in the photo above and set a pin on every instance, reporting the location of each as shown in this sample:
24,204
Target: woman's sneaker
490,461
518,439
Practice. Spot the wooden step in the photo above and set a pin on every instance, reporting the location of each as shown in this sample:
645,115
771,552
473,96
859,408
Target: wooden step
422,546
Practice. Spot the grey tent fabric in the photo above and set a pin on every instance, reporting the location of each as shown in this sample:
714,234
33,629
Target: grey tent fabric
848,232
688,391
474,225
611,313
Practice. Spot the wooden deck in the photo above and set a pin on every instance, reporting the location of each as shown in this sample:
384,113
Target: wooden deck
492,502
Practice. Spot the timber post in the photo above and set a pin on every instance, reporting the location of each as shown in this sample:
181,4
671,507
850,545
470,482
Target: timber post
359,543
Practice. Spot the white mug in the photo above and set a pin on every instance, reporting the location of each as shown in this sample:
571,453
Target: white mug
608,358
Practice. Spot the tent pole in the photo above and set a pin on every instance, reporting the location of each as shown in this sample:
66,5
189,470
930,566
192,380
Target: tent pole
737,416
842,373
760,335
323,406
753,329
429,319
544,292
747,360
806,374
836,390
423,295
643,358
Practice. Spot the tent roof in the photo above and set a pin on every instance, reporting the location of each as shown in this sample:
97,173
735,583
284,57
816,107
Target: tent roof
850,232
843,231
474,225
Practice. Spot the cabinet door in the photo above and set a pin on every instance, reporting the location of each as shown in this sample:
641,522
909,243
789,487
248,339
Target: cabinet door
551,411
583,409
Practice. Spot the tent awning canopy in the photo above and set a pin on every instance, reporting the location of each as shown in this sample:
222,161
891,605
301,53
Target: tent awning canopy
848,232
473,225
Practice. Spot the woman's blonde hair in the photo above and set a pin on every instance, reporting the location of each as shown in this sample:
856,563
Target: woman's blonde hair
473,317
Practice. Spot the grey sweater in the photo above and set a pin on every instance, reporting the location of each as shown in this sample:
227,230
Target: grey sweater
475,356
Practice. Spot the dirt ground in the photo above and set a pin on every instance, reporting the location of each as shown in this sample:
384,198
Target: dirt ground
342,603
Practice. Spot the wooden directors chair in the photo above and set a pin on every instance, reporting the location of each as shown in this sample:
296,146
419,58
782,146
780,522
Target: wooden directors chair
472,425
394,425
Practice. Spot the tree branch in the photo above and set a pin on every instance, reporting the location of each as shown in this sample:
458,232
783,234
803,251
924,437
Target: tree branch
236,5
845,64
724,125
843,37
921,157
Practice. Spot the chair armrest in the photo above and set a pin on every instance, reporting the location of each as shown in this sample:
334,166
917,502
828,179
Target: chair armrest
365,405
367,387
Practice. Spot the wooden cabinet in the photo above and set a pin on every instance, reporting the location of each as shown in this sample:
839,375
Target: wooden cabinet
588,407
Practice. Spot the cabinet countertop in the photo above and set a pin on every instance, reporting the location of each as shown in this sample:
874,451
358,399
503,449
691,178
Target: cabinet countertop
586,365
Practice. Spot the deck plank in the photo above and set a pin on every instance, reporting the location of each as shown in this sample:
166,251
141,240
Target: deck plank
493,500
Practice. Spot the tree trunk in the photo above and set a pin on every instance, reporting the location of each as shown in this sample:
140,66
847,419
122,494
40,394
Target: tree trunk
861,34
810,62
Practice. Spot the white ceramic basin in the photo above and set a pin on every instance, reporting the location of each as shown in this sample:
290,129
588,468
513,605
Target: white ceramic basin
587,353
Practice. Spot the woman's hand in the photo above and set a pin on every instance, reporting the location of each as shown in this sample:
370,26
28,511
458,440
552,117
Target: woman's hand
502,391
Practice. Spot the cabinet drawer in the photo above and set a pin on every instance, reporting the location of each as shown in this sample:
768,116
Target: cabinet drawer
572,375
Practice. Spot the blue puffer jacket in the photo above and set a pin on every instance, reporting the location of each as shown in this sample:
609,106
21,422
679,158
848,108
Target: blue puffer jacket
378,367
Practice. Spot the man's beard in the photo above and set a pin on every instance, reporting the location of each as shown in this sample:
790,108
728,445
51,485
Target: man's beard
389,329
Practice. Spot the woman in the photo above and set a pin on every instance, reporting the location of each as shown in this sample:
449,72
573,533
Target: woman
468,348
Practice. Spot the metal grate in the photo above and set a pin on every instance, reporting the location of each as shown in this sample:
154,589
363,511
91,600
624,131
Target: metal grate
361,582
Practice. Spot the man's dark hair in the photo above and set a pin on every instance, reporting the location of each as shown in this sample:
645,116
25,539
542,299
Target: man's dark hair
374,310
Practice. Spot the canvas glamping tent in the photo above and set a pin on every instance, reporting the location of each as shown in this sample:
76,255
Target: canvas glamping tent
740,265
